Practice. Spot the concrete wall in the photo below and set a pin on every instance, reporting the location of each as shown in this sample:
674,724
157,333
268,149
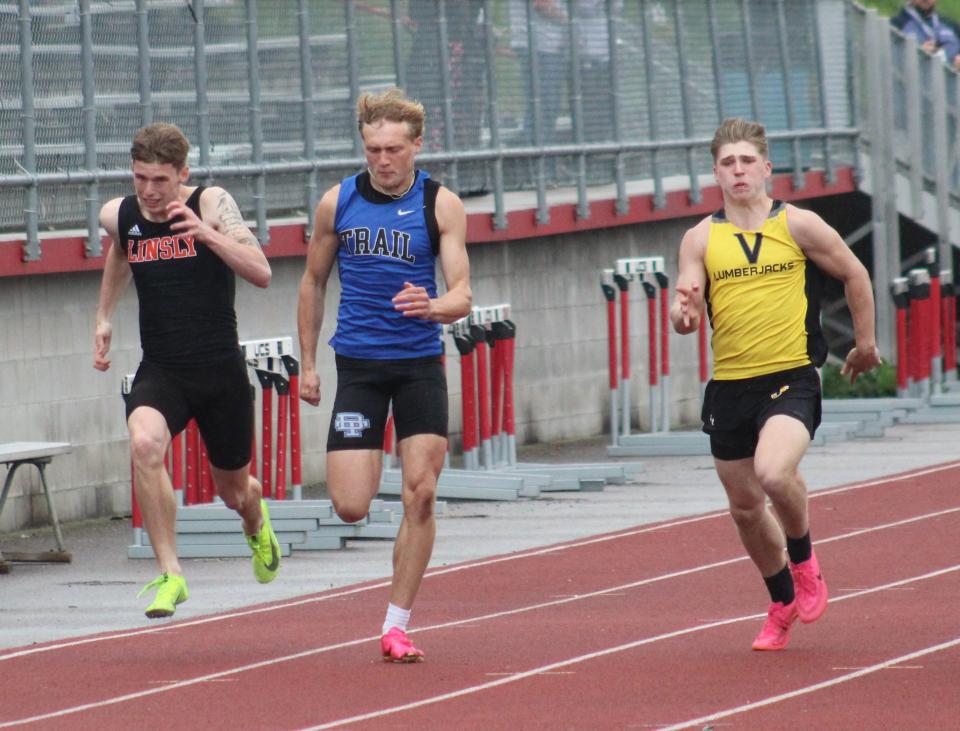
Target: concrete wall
49,390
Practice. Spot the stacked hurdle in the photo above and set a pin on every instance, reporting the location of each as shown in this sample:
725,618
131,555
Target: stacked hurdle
842,419
484,340
924,318
277,370
926,357
206,528
925,300
649,272
486,343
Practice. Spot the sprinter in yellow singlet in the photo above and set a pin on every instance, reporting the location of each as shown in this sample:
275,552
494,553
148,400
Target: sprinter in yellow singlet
751,267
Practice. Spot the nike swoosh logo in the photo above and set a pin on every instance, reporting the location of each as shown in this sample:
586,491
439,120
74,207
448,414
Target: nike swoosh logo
401,212
274,558
778,394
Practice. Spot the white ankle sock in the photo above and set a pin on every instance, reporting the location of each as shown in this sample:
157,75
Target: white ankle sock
396,617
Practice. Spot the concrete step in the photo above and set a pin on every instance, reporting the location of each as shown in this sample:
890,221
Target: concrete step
661,444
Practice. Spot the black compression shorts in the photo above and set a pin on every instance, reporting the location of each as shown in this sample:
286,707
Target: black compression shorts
218,396
735,411
417,388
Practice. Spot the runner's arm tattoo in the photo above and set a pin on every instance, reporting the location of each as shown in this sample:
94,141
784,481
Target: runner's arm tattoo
231,221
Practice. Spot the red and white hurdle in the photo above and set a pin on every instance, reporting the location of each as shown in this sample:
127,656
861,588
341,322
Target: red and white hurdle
277,370
649,271
926,326
486,343
484,340
926,355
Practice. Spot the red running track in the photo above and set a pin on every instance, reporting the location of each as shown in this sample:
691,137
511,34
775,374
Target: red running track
645,628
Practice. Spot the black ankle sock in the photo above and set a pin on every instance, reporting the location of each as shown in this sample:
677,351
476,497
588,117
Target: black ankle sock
799,549
780,586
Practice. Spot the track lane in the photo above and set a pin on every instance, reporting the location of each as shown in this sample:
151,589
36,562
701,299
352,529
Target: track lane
452,596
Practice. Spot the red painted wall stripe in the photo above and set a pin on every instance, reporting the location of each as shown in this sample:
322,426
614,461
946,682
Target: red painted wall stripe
66,254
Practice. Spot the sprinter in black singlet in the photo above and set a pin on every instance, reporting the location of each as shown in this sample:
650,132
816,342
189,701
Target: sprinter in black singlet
183,246
750,267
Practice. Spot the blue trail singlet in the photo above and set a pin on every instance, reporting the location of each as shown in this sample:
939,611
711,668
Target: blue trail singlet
384,242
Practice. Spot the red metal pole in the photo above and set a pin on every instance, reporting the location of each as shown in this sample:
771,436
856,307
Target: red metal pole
206,492
266,431
134,505
611,296
468,381
624,285
949,327
496,384
176,446
651,292
483,390
253,440
664,284
293,371
509,424
283,404
920,323
936,326
193,463
388,436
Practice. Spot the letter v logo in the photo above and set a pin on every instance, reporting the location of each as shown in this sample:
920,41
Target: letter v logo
754,253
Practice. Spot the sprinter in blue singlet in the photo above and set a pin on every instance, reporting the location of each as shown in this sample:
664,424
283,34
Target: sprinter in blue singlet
386,228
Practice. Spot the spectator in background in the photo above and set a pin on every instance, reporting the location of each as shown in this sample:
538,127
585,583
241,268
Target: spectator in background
592,32
591,27
936,35
548,19
466,69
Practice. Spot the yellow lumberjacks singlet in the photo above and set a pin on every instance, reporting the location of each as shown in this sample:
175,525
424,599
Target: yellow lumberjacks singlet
761,299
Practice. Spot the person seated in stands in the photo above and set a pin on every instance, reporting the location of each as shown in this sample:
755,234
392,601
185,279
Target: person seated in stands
935,34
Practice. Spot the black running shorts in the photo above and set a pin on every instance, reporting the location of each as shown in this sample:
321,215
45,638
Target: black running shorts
734,412
218,396
417,388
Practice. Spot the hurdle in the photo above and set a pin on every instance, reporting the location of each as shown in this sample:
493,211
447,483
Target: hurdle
482,376
276,368
913,310
501,331
659,440
486,340
931,356
624,272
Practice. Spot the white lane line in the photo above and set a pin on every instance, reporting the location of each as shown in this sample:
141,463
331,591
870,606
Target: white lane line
806,690
450,569
646,641
436,699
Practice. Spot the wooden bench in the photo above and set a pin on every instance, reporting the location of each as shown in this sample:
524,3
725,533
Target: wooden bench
39,454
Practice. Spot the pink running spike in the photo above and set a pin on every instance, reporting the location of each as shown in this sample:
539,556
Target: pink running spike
776,629
811,589
396,647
